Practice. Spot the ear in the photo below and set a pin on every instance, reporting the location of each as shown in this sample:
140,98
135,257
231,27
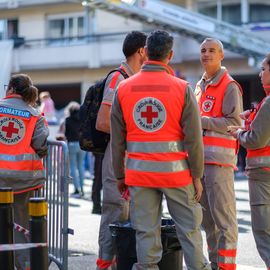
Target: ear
141,51
221,55
146,51
170,55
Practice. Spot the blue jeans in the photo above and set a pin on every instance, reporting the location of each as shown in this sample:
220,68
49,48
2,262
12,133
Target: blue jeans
76,158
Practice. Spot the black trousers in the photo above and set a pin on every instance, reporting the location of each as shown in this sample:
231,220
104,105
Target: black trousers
97,181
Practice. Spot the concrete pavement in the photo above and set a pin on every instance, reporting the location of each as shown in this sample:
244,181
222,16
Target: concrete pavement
83,245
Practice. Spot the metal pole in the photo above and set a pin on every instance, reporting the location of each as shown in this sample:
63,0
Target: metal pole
244,11
6,227
38,209
219,10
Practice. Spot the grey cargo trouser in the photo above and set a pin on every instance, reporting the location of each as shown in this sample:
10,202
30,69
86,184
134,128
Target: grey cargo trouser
260,213
145,213
114,208
219,211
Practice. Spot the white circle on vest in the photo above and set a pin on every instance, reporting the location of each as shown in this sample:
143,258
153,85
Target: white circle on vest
149,114
12,130
207,105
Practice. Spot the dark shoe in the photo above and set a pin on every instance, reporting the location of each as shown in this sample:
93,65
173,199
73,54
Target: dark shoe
214,266
96,209
82,193
76,194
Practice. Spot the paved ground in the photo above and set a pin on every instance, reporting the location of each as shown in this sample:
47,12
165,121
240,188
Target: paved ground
83,245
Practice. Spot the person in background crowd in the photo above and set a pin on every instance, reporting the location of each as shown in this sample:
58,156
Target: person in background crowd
220,102
23,144
113,205
60,136
255,137
155,118
47,107
76,155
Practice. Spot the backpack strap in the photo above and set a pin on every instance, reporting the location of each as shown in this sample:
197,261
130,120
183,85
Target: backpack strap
115,77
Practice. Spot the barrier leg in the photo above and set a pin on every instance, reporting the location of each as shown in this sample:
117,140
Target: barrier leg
38,208
6,227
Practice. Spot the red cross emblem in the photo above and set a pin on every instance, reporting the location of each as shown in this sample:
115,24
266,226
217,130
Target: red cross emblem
207,105
149,114
10,130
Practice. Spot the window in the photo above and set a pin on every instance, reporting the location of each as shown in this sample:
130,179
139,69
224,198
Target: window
209,11
66,28
259,13
230,13
8,29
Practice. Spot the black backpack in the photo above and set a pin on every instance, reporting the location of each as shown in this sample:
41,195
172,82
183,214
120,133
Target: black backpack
91,139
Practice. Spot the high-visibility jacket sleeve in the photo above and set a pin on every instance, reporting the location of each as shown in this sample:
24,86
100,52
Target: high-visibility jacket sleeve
259,134
118,138
110,87
40,135
191,125
232,106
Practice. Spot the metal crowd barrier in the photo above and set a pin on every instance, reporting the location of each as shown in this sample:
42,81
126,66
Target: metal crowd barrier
55,191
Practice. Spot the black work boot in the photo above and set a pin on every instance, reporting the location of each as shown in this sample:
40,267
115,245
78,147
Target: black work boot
214,266
96,209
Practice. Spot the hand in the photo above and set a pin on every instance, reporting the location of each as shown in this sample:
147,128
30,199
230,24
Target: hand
245,115
122,187
198,188
233,130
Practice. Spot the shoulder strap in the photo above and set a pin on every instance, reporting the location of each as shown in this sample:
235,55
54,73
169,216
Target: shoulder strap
123,73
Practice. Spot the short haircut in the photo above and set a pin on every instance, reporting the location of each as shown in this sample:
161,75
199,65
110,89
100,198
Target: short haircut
267,57
217,41
159,44
133,42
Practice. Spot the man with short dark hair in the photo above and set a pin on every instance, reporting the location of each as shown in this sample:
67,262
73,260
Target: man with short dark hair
155,119
114,207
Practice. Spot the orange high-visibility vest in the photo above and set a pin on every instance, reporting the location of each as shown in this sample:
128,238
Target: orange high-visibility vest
152,108
18,160
219,148
257,158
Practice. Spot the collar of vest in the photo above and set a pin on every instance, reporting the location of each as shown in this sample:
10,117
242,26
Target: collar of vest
13,96
157,66
267,89
124,66
16,101
218,77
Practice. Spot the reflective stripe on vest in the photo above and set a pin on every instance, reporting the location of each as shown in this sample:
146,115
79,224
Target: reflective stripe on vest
220,147
259,161
157,166
26,175
155,147
165,162
26,162
22,157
